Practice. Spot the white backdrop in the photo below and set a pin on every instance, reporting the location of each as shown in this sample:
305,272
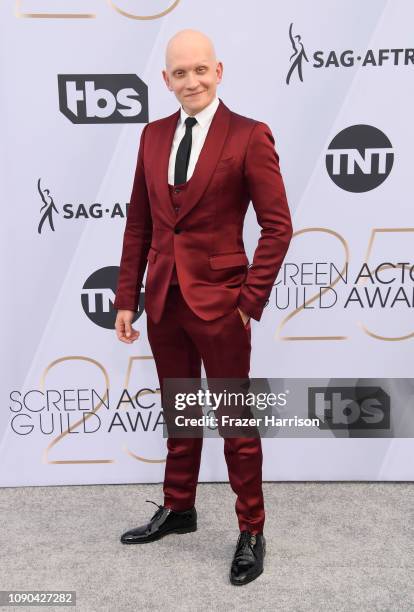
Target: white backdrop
69,173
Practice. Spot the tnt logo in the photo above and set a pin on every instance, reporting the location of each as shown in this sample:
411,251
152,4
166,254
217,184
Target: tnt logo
98,296
349,407
359,158
103,98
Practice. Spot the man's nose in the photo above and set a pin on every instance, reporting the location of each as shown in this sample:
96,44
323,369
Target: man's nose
192,81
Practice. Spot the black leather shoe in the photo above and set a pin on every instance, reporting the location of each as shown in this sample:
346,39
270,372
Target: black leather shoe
163,522
248,558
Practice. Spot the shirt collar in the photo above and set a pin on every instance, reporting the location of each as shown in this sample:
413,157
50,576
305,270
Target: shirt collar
203,117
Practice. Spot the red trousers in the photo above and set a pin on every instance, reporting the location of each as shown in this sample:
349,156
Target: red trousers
179,342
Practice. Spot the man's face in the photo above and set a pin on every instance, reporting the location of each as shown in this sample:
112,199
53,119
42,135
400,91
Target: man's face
193,77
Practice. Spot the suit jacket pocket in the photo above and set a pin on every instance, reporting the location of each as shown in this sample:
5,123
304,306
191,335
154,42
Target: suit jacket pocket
228,260
224,164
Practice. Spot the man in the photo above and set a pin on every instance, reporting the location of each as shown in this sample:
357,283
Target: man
197,171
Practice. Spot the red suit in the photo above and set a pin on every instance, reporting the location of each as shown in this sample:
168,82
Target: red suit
193,233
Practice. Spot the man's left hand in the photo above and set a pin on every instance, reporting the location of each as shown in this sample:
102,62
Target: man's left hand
244,316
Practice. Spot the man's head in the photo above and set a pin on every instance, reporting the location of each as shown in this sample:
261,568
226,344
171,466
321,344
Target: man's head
192,71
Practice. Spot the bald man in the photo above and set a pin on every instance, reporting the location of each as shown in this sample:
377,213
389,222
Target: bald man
197,171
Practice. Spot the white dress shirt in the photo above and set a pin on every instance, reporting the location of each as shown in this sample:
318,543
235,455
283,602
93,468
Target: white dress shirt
199,133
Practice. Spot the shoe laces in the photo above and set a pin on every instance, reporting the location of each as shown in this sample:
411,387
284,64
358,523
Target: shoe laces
244,548
159,511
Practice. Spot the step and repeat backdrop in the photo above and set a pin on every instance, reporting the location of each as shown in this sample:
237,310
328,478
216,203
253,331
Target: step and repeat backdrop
335,82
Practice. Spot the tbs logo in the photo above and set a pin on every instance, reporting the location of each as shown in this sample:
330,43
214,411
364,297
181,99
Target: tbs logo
103,98
349,407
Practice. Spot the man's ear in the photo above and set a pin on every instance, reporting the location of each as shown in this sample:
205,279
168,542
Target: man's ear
166,79
219,72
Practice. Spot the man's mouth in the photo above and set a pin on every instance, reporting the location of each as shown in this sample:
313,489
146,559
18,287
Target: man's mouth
194,94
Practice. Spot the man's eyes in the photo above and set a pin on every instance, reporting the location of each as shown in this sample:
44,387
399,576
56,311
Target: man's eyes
180,73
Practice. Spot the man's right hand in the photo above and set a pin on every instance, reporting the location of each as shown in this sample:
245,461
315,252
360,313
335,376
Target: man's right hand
124,330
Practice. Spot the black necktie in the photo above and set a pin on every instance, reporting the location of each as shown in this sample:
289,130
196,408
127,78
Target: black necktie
183,153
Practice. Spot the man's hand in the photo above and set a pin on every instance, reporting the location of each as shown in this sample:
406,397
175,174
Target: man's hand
124,330
244,316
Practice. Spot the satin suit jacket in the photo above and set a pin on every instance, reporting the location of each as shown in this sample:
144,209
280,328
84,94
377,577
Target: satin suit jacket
237,164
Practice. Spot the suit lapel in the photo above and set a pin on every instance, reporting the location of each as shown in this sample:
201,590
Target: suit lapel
204,168
207,160
163,155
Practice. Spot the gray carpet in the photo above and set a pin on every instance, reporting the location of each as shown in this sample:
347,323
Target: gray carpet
330,546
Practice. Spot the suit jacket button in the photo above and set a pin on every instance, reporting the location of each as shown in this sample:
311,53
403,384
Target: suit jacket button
177,230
